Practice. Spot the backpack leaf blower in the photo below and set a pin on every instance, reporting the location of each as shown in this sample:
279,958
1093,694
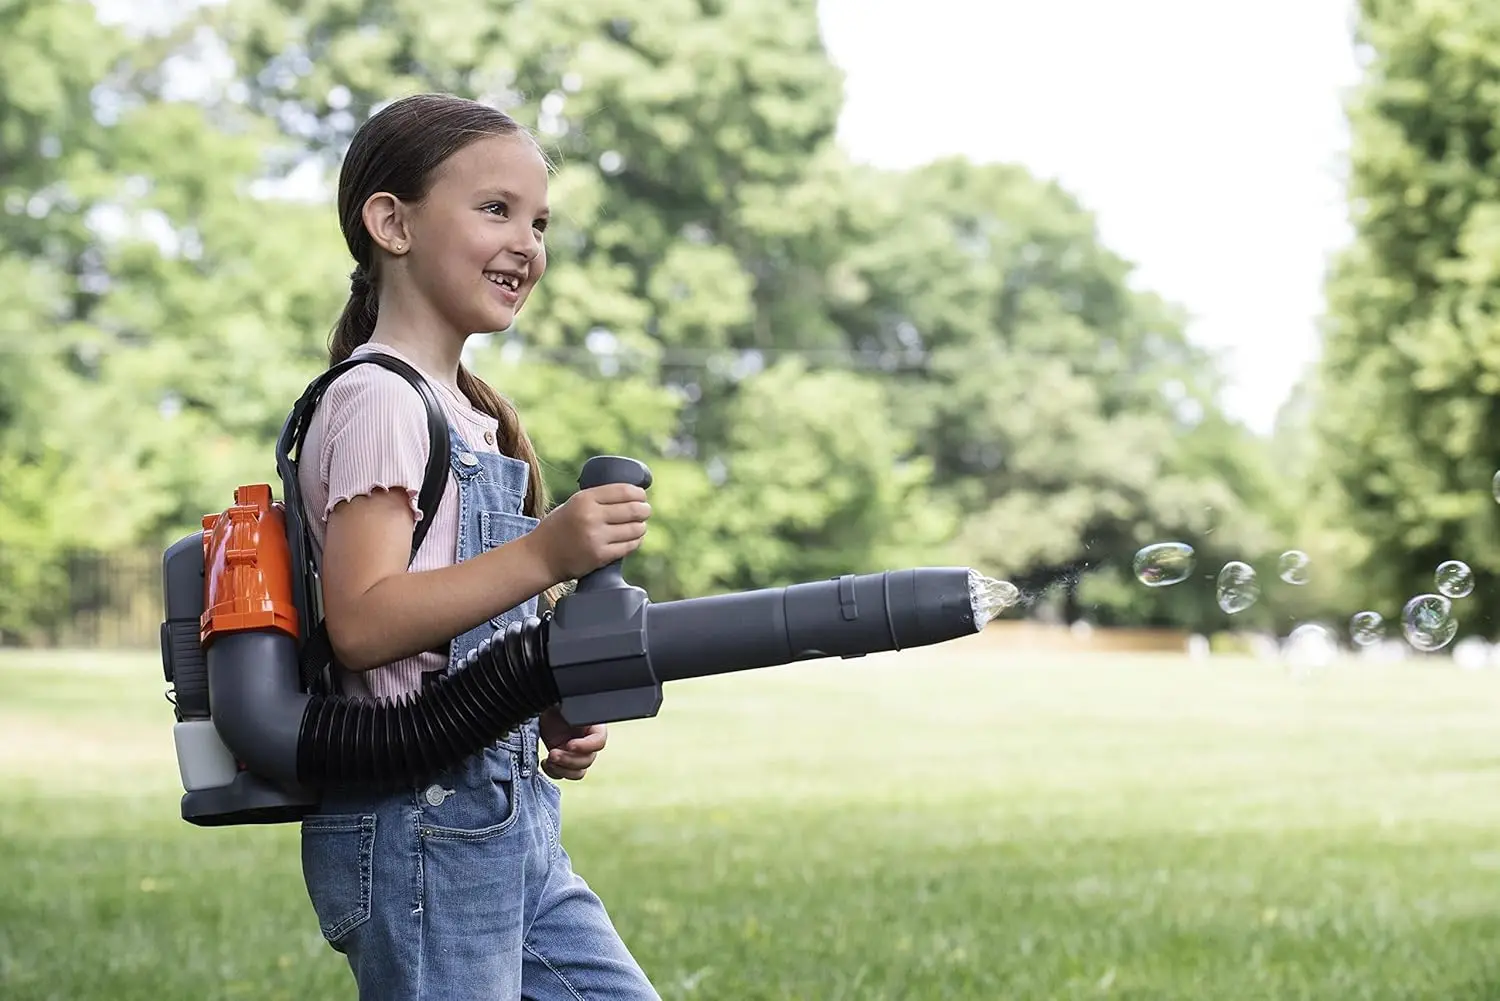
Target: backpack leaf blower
261,727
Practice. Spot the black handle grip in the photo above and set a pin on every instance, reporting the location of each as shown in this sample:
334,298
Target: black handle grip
602,469
599,470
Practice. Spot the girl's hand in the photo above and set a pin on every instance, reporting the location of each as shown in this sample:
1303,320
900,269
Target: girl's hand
591,529
570,749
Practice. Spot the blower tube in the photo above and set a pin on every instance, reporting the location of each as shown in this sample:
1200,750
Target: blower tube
600,656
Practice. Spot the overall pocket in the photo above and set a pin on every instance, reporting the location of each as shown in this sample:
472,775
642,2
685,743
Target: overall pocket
337,865
499,527
475,802
496,528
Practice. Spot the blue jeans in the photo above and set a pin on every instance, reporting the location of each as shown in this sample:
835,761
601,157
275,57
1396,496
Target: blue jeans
460,890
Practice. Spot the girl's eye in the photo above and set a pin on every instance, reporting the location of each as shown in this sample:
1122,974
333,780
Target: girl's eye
540,225
496,208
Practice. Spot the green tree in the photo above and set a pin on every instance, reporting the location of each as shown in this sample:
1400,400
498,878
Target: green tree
829,368
1408,396
53,55
1067,417
689,139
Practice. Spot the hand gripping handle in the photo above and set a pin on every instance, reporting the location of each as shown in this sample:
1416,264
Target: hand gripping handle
599,470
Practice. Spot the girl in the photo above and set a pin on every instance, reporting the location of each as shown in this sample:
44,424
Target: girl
459,889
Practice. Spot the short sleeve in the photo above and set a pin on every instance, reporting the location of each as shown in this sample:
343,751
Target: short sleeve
375,437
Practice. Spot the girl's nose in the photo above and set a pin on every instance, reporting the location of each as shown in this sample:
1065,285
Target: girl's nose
525,242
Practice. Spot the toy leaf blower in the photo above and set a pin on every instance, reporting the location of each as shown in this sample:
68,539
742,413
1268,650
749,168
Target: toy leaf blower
256,740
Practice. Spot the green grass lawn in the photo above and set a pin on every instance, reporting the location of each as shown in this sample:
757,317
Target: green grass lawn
950,825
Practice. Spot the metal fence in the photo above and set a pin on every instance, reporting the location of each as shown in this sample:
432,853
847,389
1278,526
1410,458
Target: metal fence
104,600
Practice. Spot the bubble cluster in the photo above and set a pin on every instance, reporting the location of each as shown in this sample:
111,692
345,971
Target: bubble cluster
1428,622
1237,587
989,597
1164,563
1293,567
1366,628
1454,579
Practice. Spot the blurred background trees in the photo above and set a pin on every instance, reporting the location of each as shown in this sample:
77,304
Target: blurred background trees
830,368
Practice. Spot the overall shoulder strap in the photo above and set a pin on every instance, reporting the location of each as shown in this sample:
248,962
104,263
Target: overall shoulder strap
294,432
317,651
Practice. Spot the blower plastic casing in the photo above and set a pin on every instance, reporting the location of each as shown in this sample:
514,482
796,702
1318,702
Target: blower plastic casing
219,789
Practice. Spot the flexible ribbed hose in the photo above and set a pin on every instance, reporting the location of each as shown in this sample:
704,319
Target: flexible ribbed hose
502,683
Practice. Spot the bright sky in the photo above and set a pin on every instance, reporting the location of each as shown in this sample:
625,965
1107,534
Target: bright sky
1205,136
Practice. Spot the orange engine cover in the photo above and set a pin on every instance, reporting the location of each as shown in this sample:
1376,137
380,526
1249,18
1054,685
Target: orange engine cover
247,567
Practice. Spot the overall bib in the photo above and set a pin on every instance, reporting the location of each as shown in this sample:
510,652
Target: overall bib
460,890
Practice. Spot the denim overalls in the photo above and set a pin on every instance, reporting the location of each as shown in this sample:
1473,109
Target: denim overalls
460,890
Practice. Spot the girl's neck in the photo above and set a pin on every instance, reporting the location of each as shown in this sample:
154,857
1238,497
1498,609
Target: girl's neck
434,351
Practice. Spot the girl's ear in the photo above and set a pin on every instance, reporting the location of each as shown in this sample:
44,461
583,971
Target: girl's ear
385,220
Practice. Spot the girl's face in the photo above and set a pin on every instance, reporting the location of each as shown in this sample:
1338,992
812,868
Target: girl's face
476,238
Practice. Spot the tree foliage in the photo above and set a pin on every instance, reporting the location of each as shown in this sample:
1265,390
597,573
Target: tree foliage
1407,401
830,368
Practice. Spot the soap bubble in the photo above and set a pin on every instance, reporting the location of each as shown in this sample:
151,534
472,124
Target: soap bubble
1428,622
1454,579
1366,628
1309,648
1495,487
1238,587
1292,567
1471,654
1164,563
989,597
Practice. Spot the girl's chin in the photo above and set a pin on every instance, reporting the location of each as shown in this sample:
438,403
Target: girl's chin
491,315
498,316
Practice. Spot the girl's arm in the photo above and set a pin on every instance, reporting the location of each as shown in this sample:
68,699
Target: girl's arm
373,457
378,613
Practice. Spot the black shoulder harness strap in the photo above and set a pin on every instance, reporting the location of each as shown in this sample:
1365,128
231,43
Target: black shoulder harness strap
317,651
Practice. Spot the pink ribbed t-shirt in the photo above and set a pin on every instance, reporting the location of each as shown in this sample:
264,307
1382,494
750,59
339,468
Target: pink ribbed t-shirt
370,433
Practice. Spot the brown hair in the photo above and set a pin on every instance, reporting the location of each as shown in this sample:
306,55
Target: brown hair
397,150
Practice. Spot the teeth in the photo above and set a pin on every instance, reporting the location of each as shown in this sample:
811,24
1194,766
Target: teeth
505,281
